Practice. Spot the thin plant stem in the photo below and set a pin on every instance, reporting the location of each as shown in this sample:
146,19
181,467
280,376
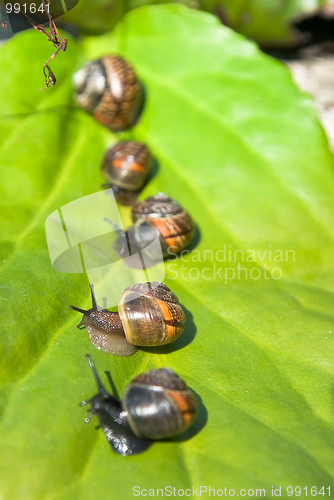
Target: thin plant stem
53,36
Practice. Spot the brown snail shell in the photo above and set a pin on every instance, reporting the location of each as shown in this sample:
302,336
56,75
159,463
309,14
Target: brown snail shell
155,405
126,166
157,216
170,405
175,227
108,89
149,315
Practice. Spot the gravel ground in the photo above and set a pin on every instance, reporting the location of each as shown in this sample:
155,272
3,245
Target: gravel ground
316,76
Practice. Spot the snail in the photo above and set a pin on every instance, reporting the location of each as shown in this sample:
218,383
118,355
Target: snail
125,167
155,405
157,215
108,89
149,315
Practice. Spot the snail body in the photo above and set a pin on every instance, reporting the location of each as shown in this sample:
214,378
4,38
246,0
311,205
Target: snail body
149,315
126,166
108,89
155,405
160,216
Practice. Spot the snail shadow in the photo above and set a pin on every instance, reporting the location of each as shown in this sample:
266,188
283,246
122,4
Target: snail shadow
196,239
155,166
185,339
124,198
198,425
142,102
114,390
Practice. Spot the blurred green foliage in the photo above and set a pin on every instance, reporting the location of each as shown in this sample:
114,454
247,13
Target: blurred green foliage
267,21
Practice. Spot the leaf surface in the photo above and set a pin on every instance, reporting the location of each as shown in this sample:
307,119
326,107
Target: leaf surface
241,148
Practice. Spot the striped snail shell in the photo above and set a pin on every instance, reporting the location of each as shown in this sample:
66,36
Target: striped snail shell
160,216
155,405
175,227
108,89
126,166
167,406
149,315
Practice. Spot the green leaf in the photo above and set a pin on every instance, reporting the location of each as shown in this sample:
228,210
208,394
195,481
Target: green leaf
268,22
241,148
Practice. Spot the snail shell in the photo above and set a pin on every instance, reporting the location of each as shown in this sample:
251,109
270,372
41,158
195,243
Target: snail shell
175,227
126,165
155,405
149,315
108,89
167,406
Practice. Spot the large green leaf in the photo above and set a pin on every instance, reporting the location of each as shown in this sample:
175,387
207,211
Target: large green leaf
268,22
243,151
